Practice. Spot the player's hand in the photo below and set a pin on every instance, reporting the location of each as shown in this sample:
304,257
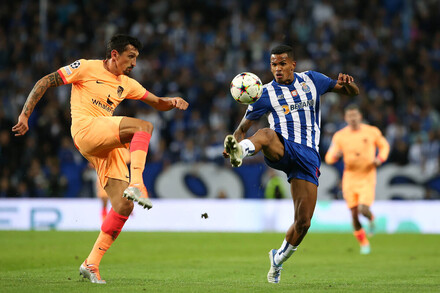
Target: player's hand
22,126
338,155
377,162
225,154
179,103
344,79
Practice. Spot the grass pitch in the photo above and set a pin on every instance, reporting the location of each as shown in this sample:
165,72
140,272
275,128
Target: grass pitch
218,262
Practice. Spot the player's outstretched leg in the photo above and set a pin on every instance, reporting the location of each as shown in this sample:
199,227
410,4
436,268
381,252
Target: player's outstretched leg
138,192
233,148
274,274
110,229
91,272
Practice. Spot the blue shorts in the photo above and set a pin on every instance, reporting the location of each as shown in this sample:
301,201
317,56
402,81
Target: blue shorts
299,161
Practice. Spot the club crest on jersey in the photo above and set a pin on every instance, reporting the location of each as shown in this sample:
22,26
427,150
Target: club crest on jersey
294,93
120,90
75,64
305,87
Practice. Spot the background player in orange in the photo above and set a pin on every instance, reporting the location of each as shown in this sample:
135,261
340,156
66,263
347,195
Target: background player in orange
98,86
358,144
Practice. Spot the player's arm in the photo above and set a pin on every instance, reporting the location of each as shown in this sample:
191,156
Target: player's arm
243,127
165,103
333,154
345,85
51,80
240,132
384,150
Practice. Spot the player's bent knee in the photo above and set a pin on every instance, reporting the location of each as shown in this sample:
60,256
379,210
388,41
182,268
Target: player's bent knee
146,126
124,207
268,133
265,135
363,209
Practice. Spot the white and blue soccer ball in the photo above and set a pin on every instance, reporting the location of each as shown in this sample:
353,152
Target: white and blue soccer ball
246,88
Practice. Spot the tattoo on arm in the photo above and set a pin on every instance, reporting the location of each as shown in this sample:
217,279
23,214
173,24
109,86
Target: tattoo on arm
50,80
55,79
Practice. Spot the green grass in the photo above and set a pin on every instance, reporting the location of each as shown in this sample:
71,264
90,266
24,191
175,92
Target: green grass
218,262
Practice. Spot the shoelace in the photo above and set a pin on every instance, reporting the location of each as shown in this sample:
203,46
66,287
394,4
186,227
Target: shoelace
94,269
278,270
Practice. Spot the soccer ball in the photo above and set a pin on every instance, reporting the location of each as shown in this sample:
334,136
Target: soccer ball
246,88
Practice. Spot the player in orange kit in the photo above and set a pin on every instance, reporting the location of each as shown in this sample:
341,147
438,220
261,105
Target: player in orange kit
98,86
358,143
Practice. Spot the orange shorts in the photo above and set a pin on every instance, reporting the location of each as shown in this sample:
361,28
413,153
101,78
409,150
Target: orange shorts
98,141
359,190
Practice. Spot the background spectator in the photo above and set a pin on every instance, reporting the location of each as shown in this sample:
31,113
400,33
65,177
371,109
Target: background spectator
193,49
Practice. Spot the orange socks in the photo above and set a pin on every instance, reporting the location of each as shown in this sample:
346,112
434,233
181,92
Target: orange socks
103,243
110,230
138,149
361,237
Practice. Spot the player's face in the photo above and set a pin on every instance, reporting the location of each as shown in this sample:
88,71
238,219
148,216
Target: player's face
127,60
282,68
353,118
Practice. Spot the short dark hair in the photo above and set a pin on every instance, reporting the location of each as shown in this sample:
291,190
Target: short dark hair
280,49
352,107
119,42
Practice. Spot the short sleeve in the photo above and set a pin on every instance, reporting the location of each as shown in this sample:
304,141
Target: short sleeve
73,72
322,82
136,90
259,108
382,144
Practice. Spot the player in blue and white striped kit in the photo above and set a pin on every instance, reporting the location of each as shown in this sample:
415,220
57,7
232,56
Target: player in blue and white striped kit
291,144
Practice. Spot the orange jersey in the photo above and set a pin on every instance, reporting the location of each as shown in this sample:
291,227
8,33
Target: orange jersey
95,91
358,148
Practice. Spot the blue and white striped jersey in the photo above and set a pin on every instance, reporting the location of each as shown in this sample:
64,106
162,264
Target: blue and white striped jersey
294,110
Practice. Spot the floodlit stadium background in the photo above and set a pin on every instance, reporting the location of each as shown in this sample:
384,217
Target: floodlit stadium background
193,49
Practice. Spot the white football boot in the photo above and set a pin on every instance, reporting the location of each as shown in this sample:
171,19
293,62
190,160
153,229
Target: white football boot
233,148
274,274
91,272
138,192
365,249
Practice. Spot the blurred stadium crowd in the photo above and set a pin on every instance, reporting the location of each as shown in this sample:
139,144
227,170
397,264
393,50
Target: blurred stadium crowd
193,49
